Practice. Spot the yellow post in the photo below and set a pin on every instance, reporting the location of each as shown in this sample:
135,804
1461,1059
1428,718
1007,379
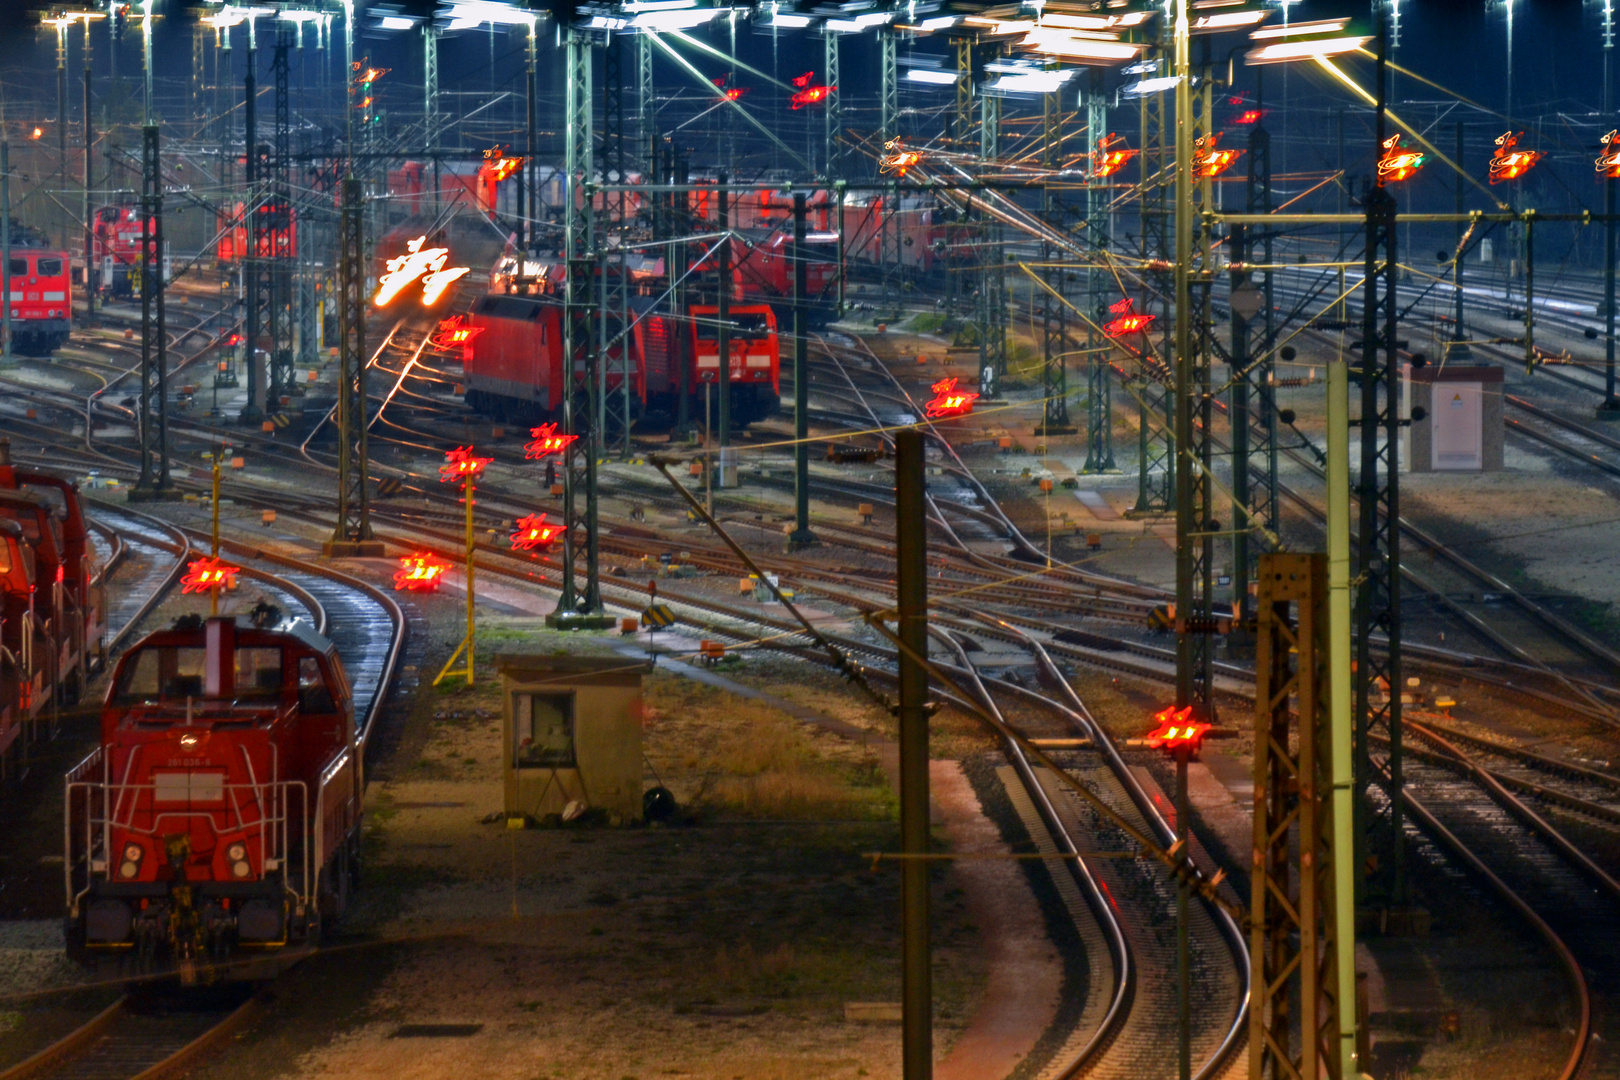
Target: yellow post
213,590
466,645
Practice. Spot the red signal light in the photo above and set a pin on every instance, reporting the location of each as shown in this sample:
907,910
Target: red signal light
461,465
950,401
810,95
546,441
204,575
1209,160
1608,160
418,573
1396,164
1177,729
1249,116
1111,156
1126,319
802,81
533,532
1508,163
454,333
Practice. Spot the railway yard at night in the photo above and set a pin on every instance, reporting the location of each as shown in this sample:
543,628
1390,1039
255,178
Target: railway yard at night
649,539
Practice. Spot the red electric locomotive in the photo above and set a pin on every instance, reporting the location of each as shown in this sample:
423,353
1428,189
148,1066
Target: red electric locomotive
513,368
41,300
278,229
216,827
764,273
54,608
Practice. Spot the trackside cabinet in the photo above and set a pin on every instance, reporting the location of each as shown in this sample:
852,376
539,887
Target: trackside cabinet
1463,428
571,731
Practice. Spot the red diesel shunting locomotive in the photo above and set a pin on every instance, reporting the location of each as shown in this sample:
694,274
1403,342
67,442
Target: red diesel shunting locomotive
52,607
218,822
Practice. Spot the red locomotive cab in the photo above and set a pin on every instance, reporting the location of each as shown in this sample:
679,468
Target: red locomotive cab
754,363
41,299
220,815
20,680
513,369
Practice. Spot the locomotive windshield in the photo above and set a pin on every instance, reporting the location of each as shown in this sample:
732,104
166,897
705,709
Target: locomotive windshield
176,672
162,671
48,266
19,267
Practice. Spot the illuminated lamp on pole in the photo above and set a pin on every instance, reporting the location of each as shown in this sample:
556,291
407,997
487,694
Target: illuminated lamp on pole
460,464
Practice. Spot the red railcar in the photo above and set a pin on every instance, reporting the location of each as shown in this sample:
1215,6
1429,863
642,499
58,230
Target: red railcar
54,608
218,822
277,233
41,300
514,367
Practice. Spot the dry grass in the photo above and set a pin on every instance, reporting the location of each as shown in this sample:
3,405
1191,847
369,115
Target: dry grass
724,753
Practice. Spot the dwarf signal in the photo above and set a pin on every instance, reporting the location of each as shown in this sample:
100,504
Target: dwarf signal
1608,160
950,400
533,532
546,442
1177,730
419,573
204,575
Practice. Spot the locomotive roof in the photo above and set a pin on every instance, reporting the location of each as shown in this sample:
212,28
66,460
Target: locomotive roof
32,498
298,629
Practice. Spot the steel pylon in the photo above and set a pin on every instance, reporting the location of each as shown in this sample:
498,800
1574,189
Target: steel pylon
1156,462
352,534
153,480
1099,385
579,603
1054,311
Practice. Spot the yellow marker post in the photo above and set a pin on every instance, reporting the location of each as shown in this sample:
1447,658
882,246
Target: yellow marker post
213,591
461,465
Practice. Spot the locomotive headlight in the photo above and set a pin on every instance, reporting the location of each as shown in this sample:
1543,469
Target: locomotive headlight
129,868
240,869
133,853
236,852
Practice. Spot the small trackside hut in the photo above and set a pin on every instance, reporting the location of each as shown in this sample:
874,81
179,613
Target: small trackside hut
571,732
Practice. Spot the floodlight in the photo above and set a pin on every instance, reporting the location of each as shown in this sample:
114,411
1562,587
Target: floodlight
1079,49
1153,86
1321,26
1227,20
1284,52
930,77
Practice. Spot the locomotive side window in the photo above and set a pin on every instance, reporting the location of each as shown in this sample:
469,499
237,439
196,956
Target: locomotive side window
258,673
162,673
48,266
543,730
314,696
